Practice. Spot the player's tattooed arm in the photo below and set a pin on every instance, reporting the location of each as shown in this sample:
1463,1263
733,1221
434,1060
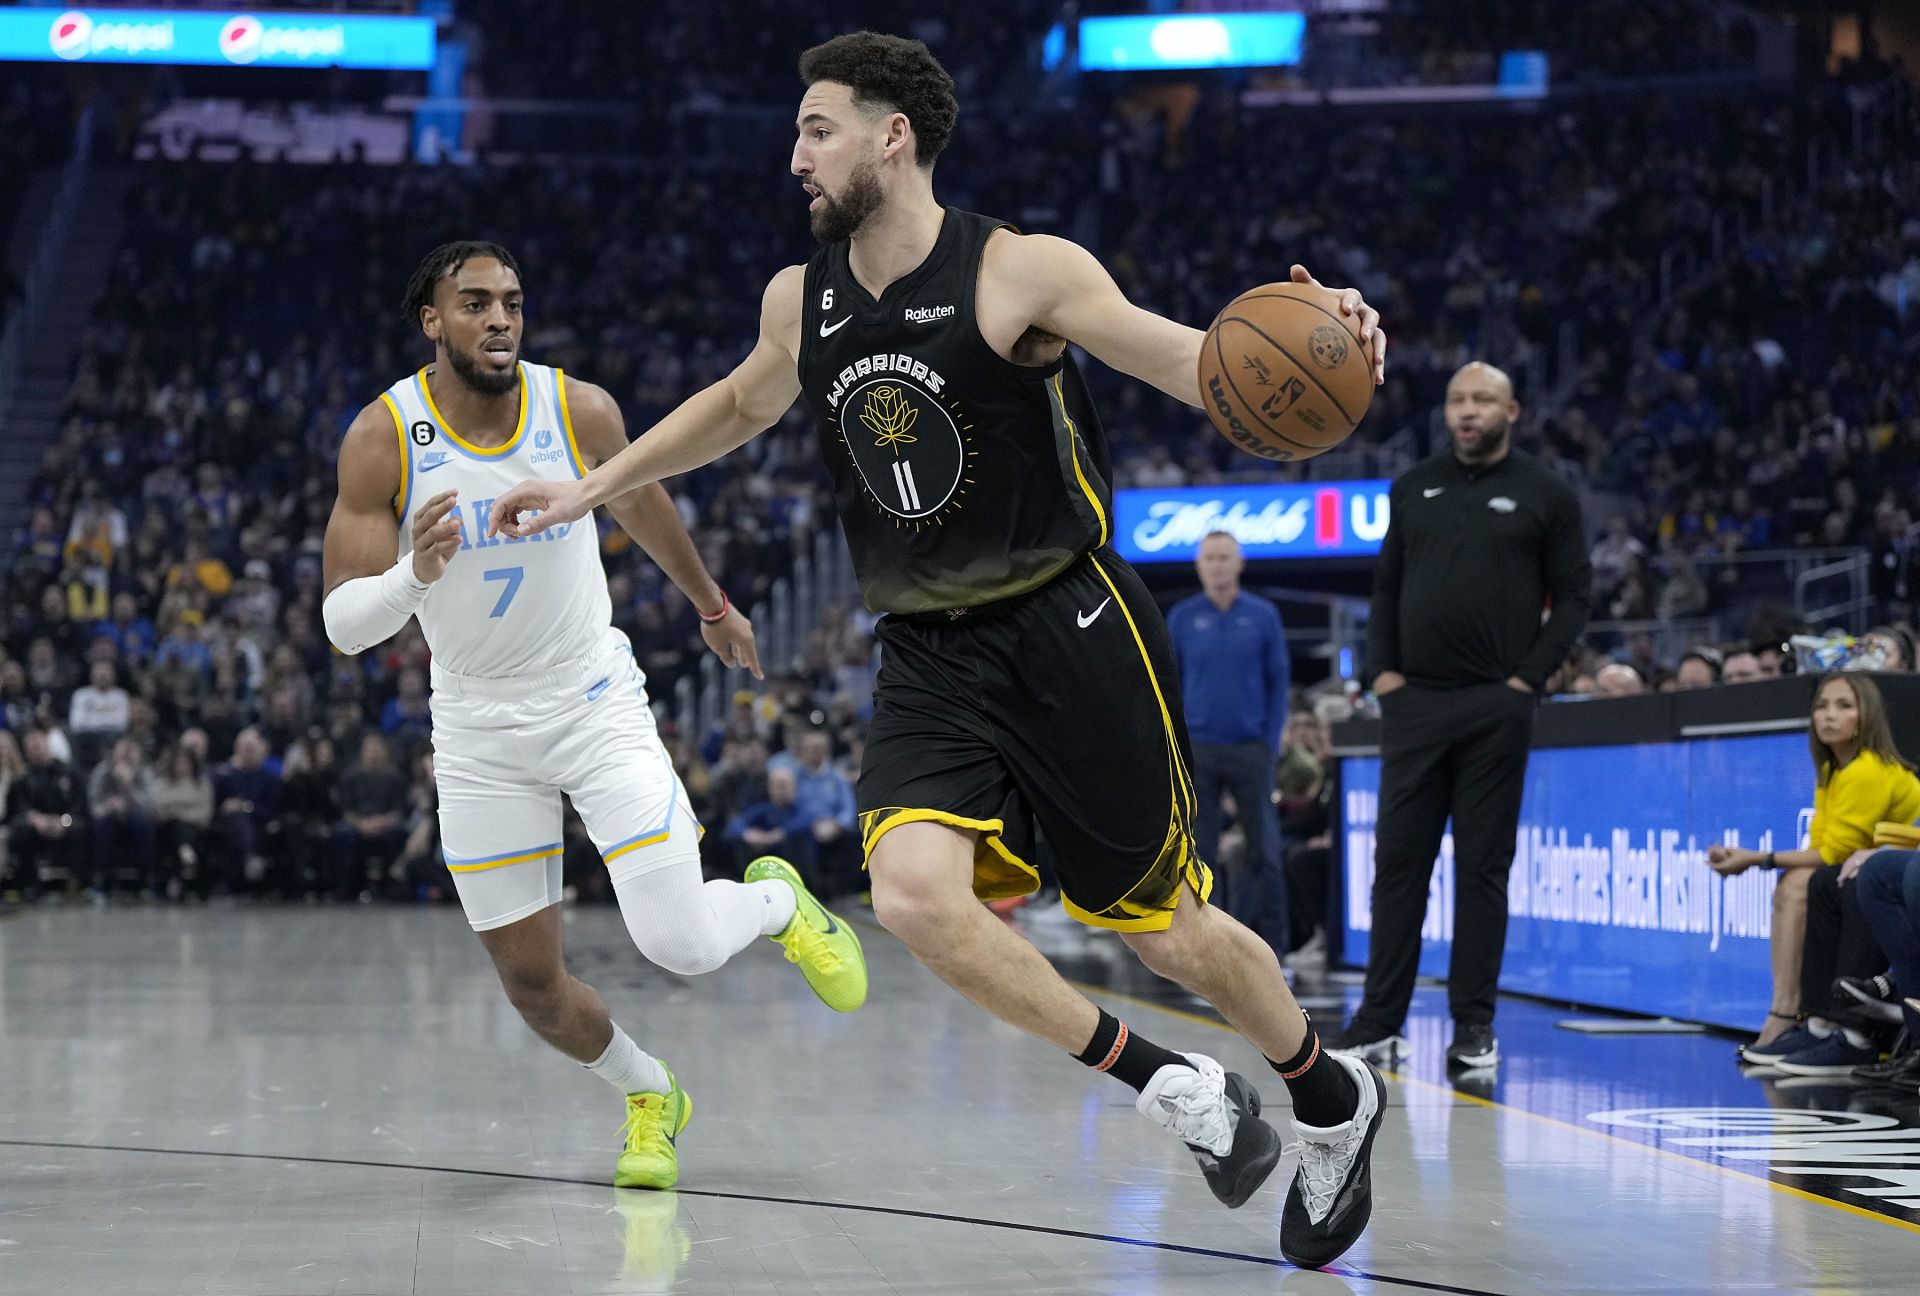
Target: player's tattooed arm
650,516
704,427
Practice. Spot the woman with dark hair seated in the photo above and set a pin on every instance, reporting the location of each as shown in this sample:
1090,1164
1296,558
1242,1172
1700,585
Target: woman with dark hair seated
1860,780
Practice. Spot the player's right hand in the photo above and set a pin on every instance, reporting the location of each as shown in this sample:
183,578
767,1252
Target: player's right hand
532,506
436,535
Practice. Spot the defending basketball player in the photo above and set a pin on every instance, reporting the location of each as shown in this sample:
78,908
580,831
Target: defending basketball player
535,693
1026,673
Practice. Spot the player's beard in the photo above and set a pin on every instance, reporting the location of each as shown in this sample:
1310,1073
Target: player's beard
484,379
839,219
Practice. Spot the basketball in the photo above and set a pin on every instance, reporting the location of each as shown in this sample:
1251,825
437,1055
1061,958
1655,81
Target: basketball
1283,374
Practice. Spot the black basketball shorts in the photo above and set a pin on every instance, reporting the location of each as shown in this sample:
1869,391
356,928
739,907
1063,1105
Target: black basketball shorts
1059,708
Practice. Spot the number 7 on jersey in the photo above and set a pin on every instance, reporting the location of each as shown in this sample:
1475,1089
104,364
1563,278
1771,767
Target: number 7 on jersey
512,576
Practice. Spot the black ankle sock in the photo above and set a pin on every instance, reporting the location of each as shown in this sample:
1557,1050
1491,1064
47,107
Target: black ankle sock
1124,1055
1323,1093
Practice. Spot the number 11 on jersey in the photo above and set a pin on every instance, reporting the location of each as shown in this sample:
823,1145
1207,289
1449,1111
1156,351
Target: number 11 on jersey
512,576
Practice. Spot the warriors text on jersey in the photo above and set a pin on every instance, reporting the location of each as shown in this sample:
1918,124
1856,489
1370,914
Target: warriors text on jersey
961,477
506,606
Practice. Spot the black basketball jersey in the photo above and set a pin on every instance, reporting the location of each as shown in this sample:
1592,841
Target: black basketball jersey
960,477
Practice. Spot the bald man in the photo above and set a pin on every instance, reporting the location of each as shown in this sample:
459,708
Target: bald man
1481,589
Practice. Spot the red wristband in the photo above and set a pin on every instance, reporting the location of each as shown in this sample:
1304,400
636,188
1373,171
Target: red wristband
721,615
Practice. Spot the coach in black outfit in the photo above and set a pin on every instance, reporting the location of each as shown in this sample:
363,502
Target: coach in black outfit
1483,540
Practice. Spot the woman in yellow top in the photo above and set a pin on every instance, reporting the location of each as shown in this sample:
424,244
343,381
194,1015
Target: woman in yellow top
1859,779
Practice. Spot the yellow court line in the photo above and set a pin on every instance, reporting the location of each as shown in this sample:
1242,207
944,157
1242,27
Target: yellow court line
1741,1175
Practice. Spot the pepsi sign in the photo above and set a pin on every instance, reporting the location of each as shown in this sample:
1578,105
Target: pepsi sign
1281,520
233,39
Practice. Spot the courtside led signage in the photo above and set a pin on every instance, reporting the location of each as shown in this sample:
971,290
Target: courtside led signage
1143,43
1285,520
236,38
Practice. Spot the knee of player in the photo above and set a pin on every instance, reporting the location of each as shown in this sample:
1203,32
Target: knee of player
687,953
1166,952
909,905
535,993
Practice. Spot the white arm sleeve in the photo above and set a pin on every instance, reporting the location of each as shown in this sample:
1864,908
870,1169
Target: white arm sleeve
363,612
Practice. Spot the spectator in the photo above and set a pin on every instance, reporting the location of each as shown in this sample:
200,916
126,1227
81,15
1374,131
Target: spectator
1742,667
1684,594
247,799
1860,779
1618,679
44,819
1884,648
408,718
823,794
120,826
13,768
130,633
1231,651
1700,668
372,830
183,816
776,826
421,864
310,773
97,715
1614,553
1889,898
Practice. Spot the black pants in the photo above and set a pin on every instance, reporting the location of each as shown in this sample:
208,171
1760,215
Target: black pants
360,860
1257,893
122,841
1445,753
1839,941
29,851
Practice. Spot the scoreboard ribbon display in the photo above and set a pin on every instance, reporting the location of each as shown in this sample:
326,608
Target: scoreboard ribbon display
214,38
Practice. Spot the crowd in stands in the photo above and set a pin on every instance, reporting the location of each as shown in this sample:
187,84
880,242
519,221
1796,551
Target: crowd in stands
182,726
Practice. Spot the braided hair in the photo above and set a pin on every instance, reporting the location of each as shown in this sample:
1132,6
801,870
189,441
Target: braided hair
446,260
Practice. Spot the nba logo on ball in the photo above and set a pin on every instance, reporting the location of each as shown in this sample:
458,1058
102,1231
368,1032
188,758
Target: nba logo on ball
71,35
240,39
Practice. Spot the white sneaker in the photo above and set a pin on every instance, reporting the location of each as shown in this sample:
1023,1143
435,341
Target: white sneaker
1191,1102
1332,1194
1217,1114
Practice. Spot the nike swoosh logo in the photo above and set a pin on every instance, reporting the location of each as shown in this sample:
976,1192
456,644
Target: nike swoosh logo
594,692
826,328
437,463
1088,618
1431,491
831,926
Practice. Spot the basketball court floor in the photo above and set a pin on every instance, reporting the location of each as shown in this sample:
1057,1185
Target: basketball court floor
275,1102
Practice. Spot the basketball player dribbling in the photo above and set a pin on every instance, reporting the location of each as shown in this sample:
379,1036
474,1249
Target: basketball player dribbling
535,693
1027,677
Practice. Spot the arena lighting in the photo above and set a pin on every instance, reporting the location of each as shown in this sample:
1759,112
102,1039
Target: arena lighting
231,38
1336,519
1144,43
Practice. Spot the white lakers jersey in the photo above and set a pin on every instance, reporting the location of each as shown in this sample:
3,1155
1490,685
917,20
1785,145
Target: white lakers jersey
506,606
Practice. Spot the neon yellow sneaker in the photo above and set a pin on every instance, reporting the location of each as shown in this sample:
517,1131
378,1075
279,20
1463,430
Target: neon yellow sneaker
825,948
654,1121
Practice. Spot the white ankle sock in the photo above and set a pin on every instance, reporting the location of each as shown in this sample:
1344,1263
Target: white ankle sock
628,1067
777,902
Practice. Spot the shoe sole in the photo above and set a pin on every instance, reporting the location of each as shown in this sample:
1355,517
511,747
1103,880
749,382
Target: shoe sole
1261,1161
1473,1061
1878,1009
1832,1071
1363,1211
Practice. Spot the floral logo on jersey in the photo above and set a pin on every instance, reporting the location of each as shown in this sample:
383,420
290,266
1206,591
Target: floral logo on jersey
909,447
890,416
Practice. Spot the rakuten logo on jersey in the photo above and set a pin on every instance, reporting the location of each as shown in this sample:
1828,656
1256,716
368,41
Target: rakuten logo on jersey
246,39
75,35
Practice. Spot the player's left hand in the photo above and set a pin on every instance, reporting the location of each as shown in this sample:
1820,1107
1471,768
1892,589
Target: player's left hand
1371,334
731,638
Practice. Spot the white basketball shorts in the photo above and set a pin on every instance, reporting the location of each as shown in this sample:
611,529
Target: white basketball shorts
504,751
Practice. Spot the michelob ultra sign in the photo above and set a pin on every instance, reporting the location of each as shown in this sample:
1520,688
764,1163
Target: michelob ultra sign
1282,520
